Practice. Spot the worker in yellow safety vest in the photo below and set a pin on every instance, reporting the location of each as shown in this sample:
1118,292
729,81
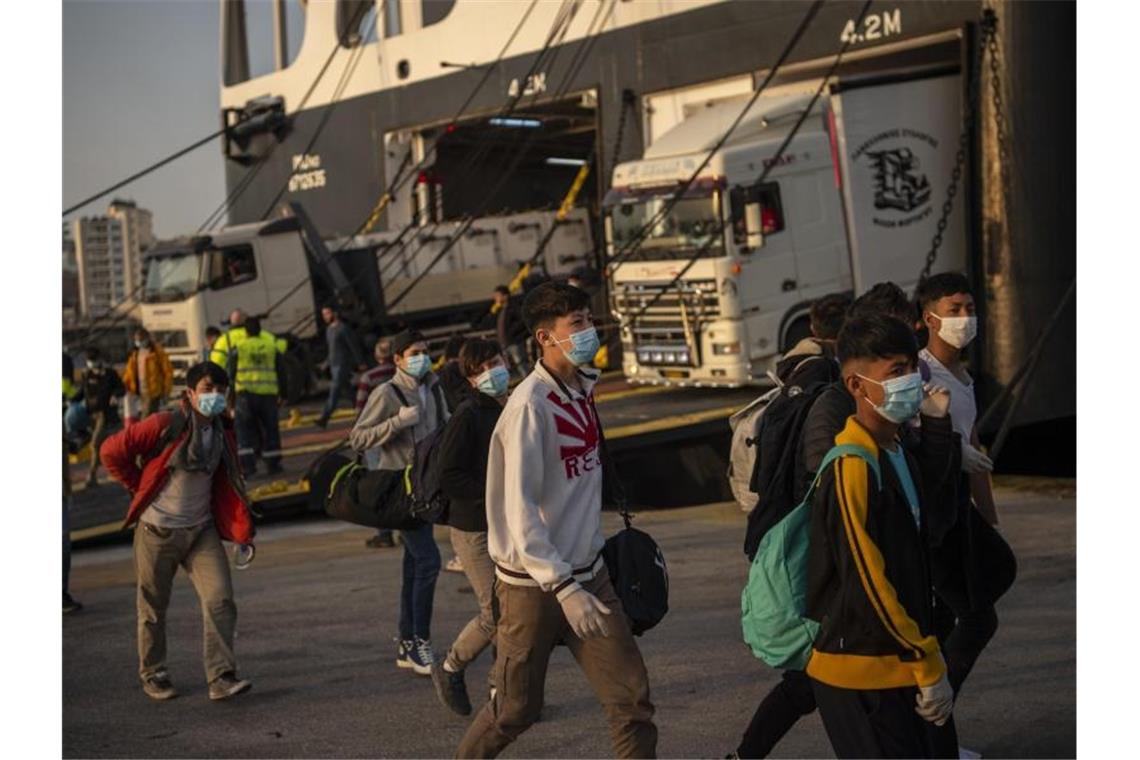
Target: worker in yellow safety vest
254,368
228,341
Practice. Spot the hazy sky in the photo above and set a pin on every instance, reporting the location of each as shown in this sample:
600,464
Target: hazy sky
140,81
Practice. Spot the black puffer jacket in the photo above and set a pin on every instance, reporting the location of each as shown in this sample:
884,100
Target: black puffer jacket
463,454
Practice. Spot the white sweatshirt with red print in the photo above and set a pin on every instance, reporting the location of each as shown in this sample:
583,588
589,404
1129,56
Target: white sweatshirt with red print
544,485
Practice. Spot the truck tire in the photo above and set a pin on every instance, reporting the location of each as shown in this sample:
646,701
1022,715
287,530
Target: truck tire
799,329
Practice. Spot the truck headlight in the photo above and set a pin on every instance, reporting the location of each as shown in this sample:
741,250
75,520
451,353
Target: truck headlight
726,349
657,357
671,357
683,357
643,357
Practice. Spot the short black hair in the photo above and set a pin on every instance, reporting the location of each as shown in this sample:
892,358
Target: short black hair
503,289
453,346
213,332
401,341
828,314
140,330
475,353
876,336
92,353
552,300
252,326
939,286
883,298
216,374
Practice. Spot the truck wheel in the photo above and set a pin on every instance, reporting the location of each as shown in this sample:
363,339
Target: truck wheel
799,329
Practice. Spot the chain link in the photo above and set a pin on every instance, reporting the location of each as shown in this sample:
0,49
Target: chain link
999,125
988,42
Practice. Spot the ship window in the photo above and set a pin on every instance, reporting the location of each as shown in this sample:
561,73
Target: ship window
435,11
356,21
249,33
231,266
392,24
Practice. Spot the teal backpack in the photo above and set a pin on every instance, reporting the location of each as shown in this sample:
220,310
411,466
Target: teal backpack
772,605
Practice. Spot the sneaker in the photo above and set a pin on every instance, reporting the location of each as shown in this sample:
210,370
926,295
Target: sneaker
968,754
322,422
158,686
454,565
420,657
451,689
228,685
70,605
403,652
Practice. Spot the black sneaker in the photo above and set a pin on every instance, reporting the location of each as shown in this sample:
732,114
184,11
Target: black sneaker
321,422
70,605
451,689
228,685
158,686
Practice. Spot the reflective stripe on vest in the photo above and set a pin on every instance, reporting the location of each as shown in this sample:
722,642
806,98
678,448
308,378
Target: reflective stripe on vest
256,365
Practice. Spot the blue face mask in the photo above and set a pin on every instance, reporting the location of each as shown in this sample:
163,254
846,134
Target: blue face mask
211,404
494,381
903,397
418,365
583,346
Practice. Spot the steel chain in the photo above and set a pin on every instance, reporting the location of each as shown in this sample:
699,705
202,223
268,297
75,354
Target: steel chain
999,124
988,30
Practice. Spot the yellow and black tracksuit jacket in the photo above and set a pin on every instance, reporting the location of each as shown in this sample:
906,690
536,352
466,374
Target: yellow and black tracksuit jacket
869,569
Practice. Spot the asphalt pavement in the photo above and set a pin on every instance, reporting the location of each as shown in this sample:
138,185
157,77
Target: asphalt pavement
317,617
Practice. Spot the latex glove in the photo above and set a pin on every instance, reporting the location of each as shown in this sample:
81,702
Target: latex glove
935,702
974,461
586,614
936,402
408,416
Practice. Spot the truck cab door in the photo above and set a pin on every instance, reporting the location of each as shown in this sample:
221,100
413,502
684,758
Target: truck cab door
767,285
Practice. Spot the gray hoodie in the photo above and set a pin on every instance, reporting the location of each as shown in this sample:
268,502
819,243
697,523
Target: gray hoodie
391,430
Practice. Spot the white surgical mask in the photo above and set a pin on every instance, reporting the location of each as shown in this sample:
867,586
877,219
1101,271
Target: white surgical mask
957,331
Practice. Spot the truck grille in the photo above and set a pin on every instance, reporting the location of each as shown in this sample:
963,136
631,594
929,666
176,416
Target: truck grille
699,296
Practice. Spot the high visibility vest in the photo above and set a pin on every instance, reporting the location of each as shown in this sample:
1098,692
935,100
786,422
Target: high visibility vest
227,342
256,365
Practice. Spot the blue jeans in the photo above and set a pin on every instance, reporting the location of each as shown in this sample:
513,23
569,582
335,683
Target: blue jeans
340,381
421,568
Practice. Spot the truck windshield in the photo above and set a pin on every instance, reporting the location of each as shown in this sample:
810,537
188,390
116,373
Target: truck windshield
172,278
686,228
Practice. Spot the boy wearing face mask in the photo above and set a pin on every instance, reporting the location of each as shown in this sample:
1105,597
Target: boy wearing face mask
463,454
948,313
187,497
877,670
544,500
399,414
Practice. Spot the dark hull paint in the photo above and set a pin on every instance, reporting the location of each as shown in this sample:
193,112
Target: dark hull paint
706,44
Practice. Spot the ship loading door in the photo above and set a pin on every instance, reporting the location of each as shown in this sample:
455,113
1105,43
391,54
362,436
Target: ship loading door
494,167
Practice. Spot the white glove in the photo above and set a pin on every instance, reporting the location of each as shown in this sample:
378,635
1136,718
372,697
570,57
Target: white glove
586,614
936,402
975,462
408,416
935,702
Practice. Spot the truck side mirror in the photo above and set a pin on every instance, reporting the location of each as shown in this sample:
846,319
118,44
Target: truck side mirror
753,226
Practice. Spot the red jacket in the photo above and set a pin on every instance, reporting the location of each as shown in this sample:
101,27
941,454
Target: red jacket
120,454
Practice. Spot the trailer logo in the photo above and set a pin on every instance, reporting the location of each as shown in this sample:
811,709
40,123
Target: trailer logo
899,182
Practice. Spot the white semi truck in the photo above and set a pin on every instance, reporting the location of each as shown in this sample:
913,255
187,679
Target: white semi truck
853,200
283,271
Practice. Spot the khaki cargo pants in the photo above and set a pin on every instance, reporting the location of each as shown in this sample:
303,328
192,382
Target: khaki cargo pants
530,624
198,550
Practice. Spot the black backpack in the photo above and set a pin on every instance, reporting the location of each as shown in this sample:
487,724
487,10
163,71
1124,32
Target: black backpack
639,576
427,501
633,559
775,477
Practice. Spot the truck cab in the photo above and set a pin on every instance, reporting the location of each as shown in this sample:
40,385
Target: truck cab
724,322
195,281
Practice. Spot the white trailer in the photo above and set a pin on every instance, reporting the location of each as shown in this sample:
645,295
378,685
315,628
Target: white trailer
852,201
